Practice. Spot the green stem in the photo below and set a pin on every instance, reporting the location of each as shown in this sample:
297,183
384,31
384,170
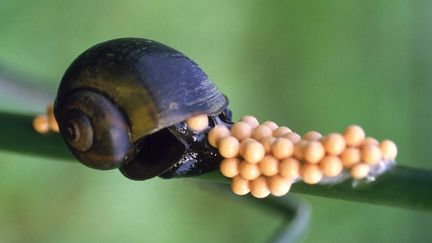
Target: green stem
17,135
401,186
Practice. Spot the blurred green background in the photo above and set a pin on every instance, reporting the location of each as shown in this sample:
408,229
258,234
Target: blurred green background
310,65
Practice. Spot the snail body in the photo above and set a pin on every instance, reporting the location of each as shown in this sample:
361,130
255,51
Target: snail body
123,104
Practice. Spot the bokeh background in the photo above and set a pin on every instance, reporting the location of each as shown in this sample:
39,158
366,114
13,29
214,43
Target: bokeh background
308,64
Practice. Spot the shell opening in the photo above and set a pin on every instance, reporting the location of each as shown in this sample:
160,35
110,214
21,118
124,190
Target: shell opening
158,152
161,148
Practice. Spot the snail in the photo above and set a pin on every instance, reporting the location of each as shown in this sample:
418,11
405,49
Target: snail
124,104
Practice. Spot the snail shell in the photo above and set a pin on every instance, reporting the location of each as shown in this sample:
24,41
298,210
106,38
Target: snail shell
120,91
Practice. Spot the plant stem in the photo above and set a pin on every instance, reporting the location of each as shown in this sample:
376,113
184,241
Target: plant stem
401,186
17,135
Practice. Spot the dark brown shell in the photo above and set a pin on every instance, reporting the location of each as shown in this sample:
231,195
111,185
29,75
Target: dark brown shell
151,85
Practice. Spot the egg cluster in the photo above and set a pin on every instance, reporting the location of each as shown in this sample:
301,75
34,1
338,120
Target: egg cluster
266,159
46,122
